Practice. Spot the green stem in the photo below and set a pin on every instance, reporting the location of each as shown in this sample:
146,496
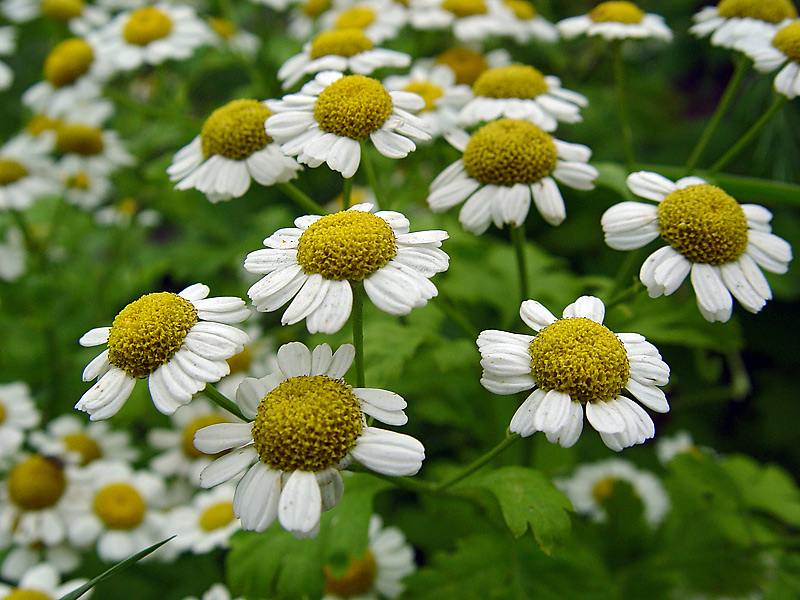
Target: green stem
750,134
742,65
622,106
518,239
223,402
357,317
509,440
626,281
372,178
301,198
347,193
447,307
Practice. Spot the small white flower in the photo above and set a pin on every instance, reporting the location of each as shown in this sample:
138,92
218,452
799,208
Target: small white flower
308,424
206,523
682,442
709,234
26,172
63,557
731,20
615,21
8,44
88,148
74,441
85,185
80,17
178,342
524,23
467,63
237,40
777,47
380,20
574,362
41,580
18,414
126,212
470,20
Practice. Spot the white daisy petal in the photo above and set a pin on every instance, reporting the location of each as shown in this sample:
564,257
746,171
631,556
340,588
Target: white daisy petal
300,503
388,452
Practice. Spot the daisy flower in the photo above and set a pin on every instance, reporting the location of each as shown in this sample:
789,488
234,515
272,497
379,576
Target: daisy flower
780,47
178,342
470,20
231,149
521,92
85,185
467,63
206,523
730,20
505,164
62,557
616,20
8,44
317,262
125,212
524,23
304,18
573,362
74,441
590,486
307,425
237,40
151,35
708,234
94,149
25,172
43,582
12,255
18,414
380,20
339,50
332,115
81,17
377,574
682,442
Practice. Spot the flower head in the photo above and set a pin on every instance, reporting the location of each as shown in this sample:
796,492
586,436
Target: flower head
40,582
207,522
25,172
18,414
774,48
76,442
731,20
379,20
524,22
470,20
616,20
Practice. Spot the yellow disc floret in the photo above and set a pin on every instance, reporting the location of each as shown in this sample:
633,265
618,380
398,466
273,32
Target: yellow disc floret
67,62
216,516
467,64
187,437
27,594
147,332
619,12
772,11
76,138
353,106
351,245
314,8
307,424
356,17
146,25
120,506
235,130
787,40
88,449
513,81
62,10
340,42
704,224
522,9
222,27
11,171
604,489
465,8
41,123
78,181
36,483
509,151
581,358
429,91
2,412
357,580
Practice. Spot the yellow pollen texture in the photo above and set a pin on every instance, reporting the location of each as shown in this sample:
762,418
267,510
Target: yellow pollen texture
11,171
146,25
119,506
353,106
62,10
509,151
772,11
81,443
581,358
465,8
704,224
67,62
619,12
513,81
36,483
340,42
357,581
357,17
466,63
27,594
314,8
430,92
307,424
522,9
187,438
235,130
147,332
75,138
787,40
216,516
351,245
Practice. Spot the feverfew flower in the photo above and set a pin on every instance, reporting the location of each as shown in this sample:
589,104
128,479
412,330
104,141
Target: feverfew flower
318,261
331,116
709,234
616,20
470,20
90,148
307,425
231,149
26,172
730,20
43,582
779,47
524,23
467,63
86,185
178,342
18,414
237,40
576,362
80,17
505,164
74,441
206,523
682,442
62,557
380,20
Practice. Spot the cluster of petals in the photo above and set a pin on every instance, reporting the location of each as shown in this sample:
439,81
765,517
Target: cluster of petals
650,26
767,57
727,31
431,14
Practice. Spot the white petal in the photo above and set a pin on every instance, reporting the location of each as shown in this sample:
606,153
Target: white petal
300,503
649,395
535,315
222,436
605,417
650,185
294,359
227,467
388,452
588,307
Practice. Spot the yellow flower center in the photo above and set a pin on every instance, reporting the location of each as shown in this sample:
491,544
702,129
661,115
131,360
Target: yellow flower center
604,489
772,11
187,437
351,245
146,25
513,81
41,123
76,138
509,151
787,40
307,424
147,332
357,17
62,10
465,8
340,42
314,8
78,181
358,580
581,358
84,445
67,62
222,27
2,412
238,363
26,594
619,12
36,483
216,516
11,171
120,506
522,9
704,224
429,91
467,64
235,130
128,207
353,106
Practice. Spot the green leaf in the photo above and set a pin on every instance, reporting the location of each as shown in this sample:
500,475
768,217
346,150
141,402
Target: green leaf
613,176
768,489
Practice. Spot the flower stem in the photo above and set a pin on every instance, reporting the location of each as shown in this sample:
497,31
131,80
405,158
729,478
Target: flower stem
347,193
742,65
750,134
357,317
372,178
622,106
518,239
223,402
301,198
507,441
